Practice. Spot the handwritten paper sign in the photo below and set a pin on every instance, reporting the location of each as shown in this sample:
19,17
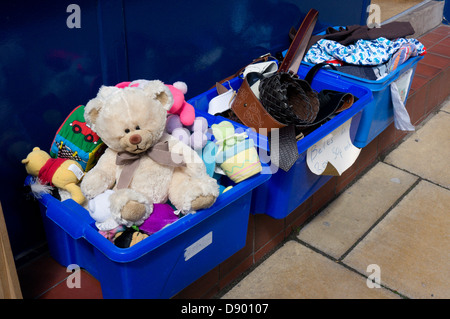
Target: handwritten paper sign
333,154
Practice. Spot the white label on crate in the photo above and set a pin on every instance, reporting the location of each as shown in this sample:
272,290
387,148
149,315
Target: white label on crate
198,246
333,154
76,170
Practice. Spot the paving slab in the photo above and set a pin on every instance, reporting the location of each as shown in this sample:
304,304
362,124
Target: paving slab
338,227
427,152
297,272
411,245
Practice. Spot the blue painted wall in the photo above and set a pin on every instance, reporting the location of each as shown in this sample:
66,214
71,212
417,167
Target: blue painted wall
47,69
446,18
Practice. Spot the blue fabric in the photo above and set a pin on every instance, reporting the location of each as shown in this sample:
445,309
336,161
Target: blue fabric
363,52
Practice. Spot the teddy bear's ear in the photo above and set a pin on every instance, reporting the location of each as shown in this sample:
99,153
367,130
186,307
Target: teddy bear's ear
91,111
157,90
93,107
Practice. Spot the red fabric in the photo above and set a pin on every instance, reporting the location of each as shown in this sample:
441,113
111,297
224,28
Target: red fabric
48,170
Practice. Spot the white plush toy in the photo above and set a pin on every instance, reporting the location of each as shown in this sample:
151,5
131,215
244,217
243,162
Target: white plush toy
100,211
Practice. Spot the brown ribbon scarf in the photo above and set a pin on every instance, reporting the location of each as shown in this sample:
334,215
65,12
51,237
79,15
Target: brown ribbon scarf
159,153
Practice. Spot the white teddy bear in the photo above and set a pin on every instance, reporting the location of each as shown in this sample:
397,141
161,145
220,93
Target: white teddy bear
143,164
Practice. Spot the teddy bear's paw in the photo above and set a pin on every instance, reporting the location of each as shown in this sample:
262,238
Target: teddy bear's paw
191,193
203,202
133,211
93,185
129,207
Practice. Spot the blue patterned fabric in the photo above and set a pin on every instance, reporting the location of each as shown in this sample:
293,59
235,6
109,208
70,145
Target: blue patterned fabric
363,52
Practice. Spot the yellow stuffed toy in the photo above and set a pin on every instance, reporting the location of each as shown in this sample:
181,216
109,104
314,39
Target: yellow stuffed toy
59,172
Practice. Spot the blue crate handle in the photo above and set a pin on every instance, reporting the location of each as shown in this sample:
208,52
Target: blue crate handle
65,214
70,216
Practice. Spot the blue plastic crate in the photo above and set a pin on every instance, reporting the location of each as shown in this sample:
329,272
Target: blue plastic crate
162,264
285,191
379,113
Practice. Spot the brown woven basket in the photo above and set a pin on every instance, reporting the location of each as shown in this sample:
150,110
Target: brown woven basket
289,100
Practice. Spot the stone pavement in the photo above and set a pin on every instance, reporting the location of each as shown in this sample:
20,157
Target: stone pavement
391,227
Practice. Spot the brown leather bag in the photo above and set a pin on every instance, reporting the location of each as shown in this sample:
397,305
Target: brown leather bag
285,99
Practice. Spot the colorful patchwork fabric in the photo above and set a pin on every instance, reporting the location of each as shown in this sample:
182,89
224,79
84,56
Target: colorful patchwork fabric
363,52
75,140
407,50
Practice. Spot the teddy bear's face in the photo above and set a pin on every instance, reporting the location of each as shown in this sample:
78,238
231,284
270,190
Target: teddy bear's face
129,119
131,124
